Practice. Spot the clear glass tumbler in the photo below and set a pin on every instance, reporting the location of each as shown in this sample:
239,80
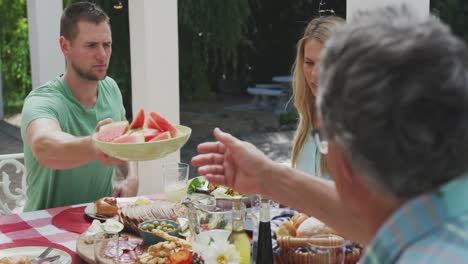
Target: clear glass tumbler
175,181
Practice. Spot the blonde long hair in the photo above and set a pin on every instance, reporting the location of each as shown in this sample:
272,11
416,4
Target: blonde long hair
319,29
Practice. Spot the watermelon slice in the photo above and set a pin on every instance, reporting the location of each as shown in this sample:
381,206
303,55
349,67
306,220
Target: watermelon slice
111,131
148,133
138,120
132,138
150,123
162,136
164,124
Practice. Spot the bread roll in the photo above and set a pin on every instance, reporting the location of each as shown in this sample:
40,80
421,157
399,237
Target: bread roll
286,229
312,227
15,260
298,219
107,206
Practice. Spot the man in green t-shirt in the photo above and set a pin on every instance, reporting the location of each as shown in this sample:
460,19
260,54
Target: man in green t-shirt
63,165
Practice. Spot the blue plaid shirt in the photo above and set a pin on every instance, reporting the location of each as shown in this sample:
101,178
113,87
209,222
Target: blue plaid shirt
432,228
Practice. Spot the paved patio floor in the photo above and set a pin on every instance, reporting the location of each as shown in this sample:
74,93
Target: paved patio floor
10,139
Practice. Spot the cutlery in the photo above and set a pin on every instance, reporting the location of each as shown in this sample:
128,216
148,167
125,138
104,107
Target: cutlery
48,259
43,254
94,214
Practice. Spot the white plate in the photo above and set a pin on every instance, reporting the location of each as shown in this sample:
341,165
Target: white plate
90,211
35,251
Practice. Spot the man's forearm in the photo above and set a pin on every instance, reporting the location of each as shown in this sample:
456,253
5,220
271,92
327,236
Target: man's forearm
316,197
63,151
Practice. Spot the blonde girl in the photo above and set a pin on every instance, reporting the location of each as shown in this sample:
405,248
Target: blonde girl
305,154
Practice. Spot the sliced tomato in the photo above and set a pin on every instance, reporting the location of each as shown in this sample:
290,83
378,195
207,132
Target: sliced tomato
164,124
139,120
182,256
150,123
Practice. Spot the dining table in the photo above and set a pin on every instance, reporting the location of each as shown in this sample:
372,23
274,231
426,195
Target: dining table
62,227
59,227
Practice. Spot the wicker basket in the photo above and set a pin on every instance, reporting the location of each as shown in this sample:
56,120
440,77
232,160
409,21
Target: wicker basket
294,250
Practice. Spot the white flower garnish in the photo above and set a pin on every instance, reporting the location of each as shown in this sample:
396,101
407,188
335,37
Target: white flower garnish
221,252
214,248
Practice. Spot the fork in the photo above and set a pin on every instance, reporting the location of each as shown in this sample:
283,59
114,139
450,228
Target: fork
43,254
48,259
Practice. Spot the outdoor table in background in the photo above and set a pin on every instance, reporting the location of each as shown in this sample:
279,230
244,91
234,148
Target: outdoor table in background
283,79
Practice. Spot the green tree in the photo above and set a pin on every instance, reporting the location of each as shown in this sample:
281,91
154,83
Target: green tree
213,44
14,52
454,13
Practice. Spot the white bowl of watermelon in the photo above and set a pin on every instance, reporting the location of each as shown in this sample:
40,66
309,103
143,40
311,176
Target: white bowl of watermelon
139,141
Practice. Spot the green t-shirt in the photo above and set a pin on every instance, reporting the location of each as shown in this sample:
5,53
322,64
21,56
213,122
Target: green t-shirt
48,187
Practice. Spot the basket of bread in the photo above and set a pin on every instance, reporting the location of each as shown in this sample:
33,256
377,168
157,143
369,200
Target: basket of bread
299,238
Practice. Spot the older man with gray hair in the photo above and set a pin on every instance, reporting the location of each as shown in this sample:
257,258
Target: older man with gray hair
393,103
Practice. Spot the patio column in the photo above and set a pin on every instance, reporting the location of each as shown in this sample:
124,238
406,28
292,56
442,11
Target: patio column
155,73
421,6
44,31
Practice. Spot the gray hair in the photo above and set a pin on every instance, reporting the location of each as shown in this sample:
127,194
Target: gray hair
394,94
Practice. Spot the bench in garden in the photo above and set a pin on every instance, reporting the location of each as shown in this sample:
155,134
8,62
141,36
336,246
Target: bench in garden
267,96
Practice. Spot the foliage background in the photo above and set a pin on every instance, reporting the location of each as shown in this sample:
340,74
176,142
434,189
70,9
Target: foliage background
14,54
235,42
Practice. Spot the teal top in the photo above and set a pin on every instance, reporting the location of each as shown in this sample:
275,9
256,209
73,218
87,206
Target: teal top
308,159
431,228
49,187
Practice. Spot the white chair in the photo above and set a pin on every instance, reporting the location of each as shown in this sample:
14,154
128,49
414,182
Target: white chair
16,198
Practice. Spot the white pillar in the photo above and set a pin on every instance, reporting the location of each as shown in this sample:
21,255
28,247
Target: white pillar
47,60
155,73
421,6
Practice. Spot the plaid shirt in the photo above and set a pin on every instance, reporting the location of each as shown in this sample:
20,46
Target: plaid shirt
432,228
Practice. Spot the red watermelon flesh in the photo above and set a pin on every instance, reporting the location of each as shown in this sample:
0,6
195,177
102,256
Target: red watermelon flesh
138,120
162,136
132,138
164,124
150,123
111,131
148,133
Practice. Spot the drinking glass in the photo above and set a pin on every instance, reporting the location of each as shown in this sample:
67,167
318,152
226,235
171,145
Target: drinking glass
326,249
106,247
175,181
118,175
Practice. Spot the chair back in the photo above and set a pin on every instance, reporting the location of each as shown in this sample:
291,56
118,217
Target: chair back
12,183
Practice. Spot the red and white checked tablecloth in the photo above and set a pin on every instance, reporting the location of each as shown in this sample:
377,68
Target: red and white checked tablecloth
36,225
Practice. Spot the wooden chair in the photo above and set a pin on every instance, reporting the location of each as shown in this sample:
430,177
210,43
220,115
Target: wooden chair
12,192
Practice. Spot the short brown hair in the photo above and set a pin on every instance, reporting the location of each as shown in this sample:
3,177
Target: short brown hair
80,11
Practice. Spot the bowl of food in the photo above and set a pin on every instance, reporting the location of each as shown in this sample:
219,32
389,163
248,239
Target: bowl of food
200,189
134,148
141,140
167,226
